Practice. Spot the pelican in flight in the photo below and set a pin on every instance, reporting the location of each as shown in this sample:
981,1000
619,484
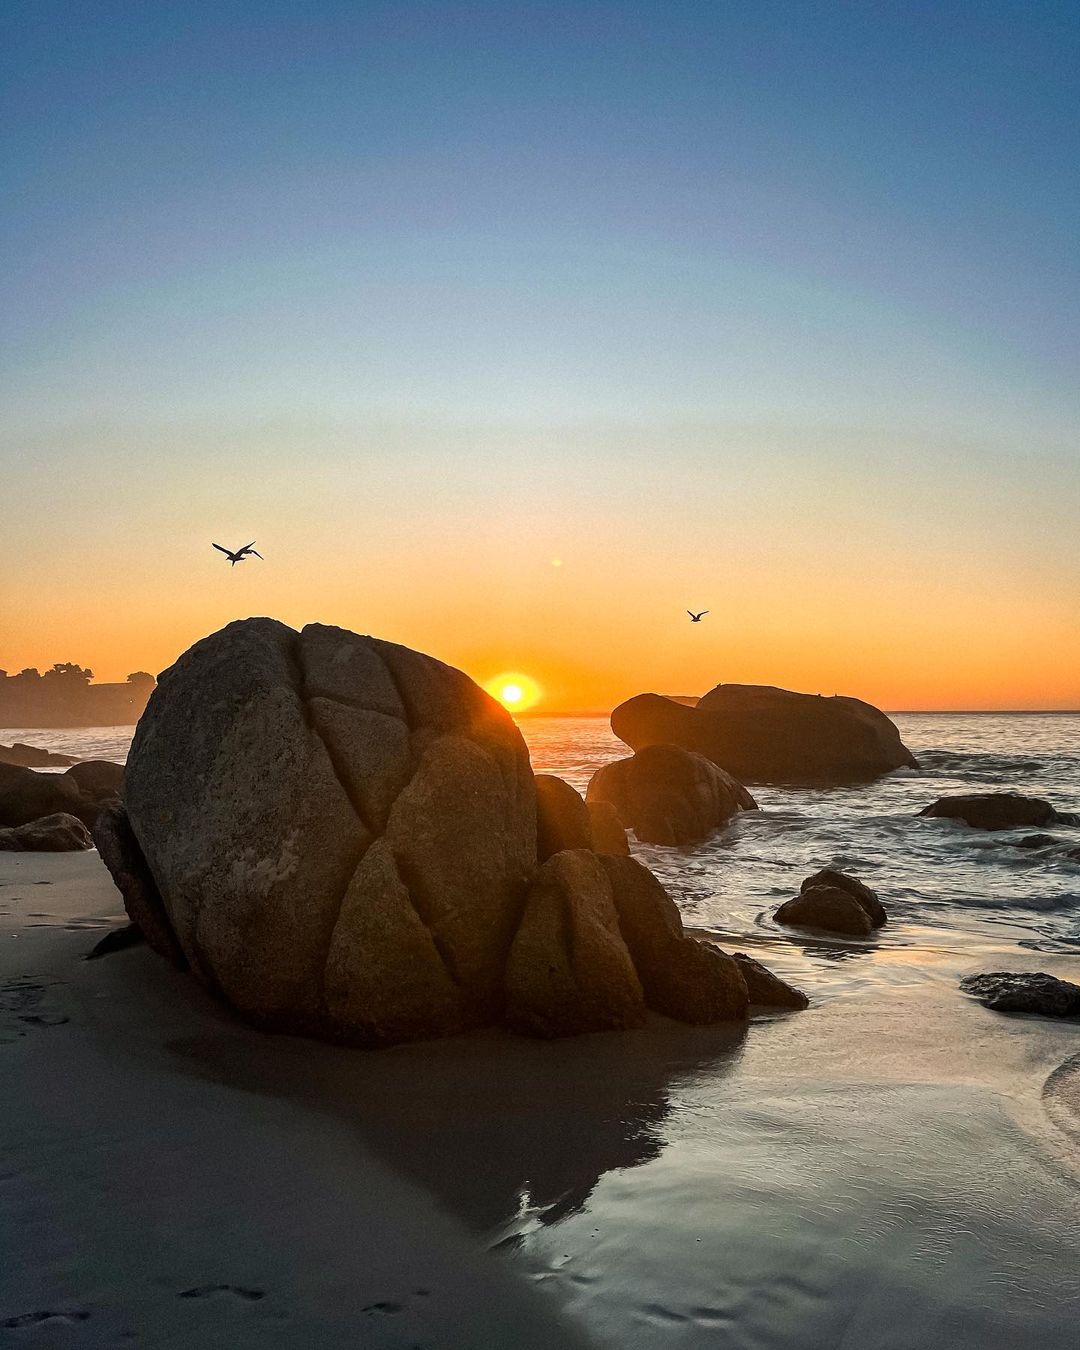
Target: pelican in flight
696,618
240,554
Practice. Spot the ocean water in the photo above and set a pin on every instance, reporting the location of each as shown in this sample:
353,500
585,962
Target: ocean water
950,891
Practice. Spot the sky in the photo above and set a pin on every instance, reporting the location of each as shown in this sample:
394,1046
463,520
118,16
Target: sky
513,331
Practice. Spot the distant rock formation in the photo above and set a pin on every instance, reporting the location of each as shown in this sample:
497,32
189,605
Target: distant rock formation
32,757
760,734
834,902
1024,992
668,795
339,836
998,811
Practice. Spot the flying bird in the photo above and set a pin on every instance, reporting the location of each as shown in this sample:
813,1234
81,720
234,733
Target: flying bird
240,554
696,618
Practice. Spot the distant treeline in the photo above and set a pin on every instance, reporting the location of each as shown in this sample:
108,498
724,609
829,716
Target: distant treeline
65,697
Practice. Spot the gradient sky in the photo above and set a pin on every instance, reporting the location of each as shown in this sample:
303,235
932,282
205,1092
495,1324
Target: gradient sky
770,309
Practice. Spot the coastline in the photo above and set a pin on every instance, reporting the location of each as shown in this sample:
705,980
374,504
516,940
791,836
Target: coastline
176,1178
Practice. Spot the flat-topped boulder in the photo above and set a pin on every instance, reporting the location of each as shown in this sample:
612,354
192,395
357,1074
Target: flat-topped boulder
668,795
33,757
998,811
759,733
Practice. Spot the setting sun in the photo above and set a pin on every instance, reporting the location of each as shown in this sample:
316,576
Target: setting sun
514,691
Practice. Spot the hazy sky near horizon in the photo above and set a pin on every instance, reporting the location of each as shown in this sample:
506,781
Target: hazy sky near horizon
766,309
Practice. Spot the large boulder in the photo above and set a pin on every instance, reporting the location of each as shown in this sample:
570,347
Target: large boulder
762,734
33,757
668,795
341,830
998,811
1024,991
569,969
683,978
26,796
61,833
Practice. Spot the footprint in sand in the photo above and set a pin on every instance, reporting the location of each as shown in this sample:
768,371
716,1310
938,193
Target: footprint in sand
21,1009
35,1319
236,1290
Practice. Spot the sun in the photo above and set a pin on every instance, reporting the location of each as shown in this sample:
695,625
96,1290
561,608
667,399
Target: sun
516,692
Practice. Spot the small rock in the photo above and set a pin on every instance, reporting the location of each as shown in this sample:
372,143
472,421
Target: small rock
1024,991
1035,841
828,908
767,990
830,876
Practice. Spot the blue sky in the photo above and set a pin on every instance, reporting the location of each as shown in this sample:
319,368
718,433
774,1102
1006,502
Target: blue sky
506,243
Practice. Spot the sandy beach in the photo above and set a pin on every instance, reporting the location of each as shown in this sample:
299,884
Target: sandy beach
889,1169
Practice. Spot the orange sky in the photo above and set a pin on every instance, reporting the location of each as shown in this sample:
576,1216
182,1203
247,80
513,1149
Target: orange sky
904,577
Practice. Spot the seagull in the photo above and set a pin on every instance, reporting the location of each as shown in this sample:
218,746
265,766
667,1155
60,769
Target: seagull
696,618
240,554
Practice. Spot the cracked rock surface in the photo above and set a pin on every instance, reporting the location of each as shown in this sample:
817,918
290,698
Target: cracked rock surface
341,830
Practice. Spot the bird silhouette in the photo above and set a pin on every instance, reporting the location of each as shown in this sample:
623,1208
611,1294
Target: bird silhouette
696,618
240,554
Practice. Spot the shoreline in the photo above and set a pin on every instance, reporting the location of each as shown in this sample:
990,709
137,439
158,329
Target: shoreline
639,1188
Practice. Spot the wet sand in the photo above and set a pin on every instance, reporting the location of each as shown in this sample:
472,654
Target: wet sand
892,1168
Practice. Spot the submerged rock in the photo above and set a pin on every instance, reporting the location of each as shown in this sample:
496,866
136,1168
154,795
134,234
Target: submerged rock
667,795
60,833
765,989
1036,841
997,811
760,733
1024,991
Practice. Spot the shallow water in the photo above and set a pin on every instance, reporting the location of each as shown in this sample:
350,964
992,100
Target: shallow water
950,890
